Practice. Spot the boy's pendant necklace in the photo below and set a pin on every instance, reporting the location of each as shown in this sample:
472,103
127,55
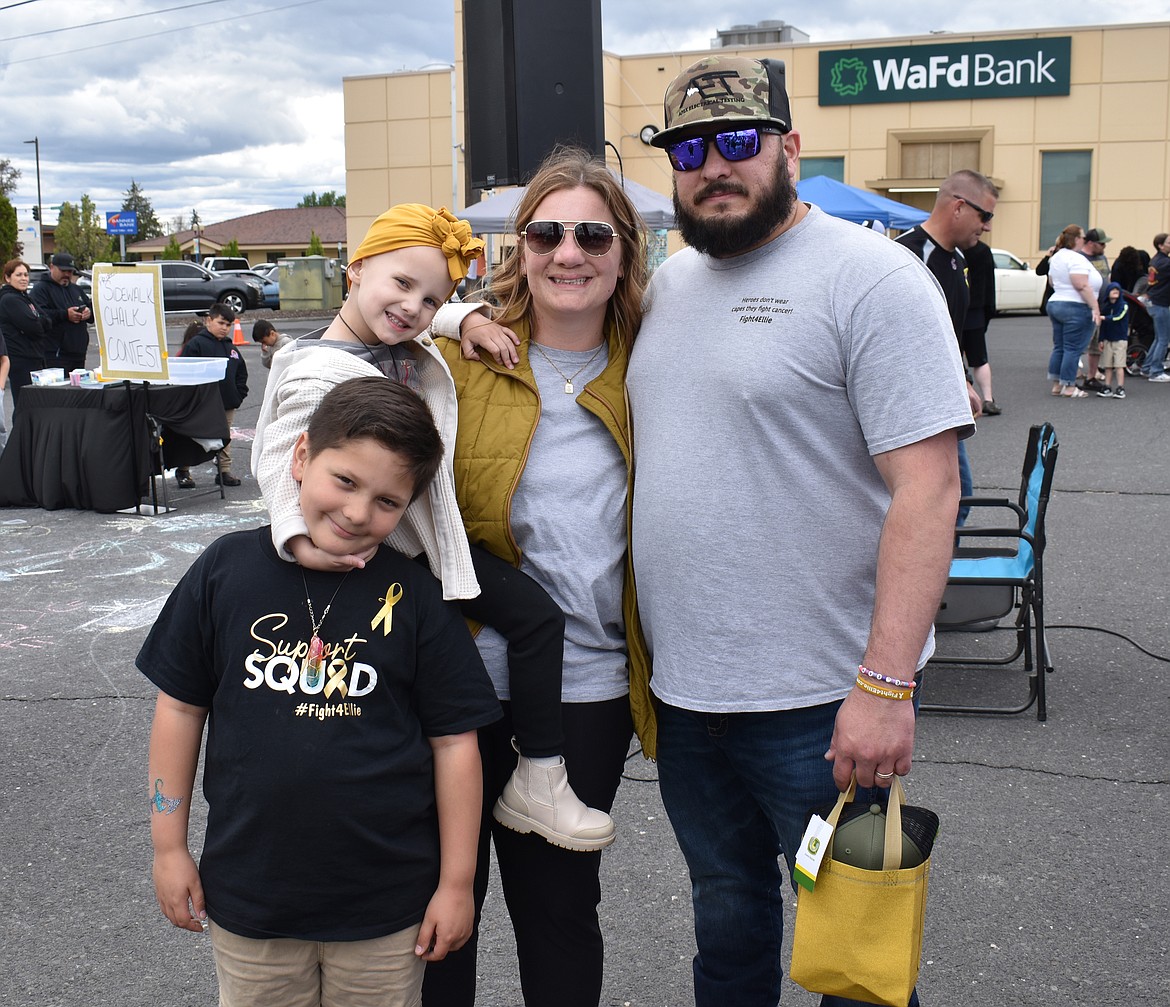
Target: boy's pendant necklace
314,666
568,378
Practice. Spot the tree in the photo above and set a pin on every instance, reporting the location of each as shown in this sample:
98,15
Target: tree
137,201
176,225
10,248
330,198
81,233
232,248
172,249
315,246
8,177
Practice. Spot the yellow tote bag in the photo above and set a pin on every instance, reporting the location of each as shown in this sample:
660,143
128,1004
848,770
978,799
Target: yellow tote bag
859,933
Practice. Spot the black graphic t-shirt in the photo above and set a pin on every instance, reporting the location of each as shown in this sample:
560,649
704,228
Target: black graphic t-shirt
321,819
949,268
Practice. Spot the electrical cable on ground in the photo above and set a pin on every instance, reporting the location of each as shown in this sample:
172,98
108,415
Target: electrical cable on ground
1088,629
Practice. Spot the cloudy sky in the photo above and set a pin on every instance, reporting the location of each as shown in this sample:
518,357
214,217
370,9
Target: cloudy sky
233,107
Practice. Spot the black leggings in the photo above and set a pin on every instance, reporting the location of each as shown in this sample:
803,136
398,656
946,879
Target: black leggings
552,894
520,610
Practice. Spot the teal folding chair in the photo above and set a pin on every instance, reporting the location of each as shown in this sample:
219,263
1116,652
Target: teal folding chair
987,582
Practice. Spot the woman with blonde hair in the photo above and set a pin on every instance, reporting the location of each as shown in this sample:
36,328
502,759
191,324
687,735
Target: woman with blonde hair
542,468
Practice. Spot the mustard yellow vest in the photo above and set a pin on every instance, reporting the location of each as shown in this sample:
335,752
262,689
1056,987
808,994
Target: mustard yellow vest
498,413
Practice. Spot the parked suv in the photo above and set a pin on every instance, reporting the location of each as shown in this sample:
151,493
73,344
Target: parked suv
187,286
218,263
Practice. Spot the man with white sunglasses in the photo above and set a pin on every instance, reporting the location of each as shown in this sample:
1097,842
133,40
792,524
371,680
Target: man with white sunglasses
794,506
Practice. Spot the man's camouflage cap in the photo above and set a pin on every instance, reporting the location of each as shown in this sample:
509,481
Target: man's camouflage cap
734,90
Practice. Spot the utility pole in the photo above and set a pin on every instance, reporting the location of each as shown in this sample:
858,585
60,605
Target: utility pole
36,142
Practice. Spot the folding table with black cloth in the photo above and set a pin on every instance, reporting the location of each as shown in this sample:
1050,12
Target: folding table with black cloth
90,448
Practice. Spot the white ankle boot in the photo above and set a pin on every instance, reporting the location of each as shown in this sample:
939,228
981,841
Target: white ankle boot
539,799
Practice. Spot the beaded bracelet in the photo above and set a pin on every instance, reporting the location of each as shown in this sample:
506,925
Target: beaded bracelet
873,690
897,682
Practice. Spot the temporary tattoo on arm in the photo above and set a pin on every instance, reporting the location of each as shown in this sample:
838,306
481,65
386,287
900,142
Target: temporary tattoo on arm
162,804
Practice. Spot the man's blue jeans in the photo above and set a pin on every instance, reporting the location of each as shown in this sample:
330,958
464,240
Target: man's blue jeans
966,482
738,788
1154,364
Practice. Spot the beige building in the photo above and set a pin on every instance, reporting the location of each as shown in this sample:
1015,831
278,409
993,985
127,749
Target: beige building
267,236
1072,123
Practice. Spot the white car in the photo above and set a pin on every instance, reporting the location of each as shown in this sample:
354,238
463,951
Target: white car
1017,287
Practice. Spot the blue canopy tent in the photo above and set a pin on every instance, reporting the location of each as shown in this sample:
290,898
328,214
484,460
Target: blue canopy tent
850,203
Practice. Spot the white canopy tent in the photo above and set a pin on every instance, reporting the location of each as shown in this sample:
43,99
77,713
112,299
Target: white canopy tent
494,215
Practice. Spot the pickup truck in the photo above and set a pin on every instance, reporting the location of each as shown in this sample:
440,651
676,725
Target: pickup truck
218,263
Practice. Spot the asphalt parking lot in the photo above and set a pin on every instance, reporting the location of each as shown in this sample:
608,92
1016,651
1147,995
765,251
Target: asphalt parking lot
1050,883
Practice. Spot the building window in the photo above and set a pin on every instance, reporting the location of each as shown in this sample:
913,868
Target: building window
939,159
917,160
1064,192
830,167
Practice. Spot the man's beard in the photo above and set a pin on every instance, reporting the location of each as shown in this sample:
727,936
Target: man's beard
732,234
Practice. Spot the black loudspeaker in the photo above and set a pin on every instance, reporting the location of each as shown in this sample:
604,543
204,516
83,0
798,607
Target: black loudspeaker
532,79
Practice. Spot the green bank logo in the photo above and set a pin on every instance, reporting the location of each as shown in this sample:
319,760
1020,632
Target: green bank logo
1008,69
848,77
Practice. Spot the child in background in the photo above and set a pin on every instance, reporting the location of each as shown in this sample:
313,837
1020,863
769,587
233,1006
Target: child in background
342,772
406,266
264,333
1114,339
214,339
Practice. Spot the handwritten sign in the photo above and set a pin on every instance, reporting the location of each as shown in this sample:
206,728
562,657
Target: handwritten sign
128,309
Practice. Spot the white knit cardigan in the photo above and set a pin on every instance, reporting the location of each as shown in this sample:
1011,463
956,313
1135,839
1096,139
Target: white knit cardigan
301,375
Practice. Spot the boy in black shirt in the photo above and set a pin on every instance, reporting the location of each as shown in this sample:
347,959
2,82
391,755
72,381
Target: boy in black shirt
342,770
214,339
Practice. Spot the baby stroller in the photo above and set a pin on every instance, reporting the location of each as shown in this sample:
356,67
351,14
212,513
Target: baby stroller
1141,333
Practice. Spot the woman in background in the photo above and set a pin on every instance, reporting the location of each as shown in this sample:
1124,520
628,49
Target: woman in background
23,328
1072,309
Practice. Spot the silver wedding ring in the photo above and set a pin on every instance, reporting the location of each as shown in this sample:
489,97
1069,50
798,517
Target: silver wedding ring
883,776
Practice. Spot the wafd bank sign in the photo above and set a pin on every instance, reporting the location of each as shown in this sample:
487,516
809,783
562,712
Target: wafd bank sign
1012,68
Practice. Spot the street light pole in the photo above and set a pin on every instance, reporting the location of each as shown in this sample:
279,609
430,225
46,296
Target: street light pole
36,142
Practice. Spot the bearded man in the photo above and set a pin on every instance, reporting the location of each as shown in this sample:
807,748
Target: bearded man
797,398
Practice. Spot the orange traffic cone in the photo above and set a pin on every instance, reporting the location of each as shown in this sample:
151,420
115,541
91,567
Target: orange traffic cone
237,333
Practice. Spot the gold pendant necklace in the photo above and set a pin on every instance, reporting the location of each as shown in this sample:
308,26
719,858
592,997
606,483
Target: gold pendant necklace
568,379
314,664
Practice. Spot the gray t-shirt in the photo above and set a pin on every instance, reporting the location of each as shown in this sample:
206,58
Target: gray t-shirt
397,362
573,484
760,388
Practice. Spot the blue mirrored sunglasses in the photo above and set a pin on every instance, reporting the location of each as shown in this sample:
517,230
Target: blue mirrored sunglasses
734,145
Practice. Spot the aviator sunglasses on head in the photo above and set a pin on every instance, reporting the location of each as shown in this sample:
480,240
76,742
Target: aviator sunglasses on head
734,145
593,237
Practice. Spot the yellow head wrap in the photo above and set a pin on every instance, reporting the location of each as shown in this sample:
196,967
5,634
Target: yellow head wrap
417,224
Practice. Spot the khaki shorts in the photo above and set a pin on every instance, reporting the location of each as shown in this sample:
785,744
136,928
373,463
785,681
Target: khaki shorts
282,972
1113,353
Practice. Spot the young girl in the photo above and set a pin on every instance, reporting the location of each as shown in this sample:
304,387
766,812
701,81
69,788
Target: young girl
406,266
264,333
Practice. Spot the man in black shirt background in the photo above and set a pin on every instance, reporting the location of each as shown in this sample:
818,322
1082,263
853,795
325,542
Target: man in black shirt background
961,216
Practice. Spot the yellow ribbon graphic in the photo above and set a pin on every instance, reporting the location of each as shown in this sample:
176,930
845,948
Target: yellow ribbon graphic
337,674
385,613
